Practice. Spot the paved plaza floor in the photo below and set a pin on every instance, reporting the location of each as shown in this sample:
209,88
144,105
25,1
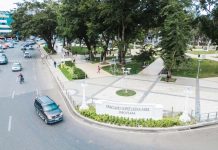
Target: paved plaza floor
149,88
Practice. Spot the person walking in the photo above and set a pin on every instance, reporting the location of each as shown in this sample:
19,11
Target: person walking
99,69
55,63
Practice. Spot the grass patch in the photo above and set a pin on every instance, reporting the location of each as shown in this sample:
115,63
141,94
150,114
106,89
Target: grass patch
124,92
169,80
82,50
203,52
47,49
208,68
135,66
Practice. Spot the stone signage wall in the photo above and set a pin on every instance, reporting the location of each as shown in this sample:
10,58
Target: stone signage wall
130,110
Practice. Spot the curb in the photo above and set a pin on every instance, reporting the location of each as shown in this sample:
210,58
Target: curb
124,128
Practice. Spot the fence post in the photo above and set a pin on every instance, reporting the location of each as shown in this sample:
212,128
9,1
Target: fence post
199,118
172,112
216,115
208,116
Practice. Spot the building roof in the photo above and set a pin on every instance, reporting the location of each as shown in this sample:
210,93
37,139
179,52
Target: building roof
5,31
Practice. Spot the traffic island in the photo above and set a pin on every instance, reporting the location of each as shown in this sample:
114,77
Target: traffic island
125,92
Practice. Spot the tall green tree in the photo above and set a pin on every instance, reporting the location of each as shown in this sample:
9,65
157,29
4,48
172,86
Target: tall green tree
175,35
79,16
209,21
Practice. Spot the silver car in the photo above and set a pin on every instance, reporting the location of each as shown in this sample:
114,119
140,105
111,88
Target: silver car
16,67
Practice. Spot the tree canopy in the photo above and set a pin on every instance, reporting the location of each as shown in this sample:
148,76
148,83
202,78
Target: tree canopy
38,19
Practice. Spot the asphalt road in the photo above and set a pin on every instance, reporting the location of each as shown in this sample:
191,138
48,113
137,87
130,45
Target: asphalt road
22,129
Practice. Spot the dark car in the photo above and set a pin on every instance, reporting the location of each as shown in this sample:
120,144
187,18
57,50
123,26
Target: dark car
48,110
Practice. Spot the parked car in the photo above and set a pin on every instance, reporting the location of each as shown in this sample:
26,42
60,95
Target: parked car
27,55
16,66
1,51
4,46
3,59
48,110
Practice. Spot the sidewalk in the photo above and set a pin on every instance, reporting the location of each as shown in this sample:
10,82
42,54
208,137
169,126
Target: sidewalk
154,68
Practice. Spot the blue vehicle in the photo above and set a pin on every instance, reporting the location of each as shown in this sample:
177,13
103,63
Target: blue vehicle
3,59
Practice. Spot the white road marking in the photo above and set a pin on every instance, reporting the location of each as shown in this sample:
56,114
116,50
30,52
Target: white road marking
9,123
13,93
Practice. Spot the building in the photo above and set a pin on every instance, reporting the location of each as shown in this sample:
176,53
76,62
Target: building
5,22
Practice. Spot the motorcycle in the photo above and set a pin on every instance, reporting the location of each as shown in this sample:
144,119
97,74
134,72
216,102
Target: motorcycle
21,80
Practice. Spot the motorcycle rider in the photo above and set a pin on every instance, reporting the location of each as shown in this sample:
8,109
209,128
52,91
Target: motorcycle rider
21,77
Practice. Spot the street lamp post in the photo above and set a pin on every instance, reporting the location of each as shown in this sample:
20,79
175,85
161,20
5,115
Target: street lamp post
126,71
185,117
84,104
197,95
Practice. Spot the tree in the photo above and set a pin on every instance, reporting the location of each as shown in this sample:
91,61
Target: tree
209,22
175,35
39,19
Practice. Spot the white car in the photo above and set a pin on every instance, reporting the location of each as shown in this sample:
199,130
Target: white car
27,55
10,45
16,66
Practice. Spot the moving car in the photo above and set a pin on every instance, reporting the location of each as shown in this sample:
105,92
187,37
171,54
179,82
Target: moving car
48,110
30,47
16,67
10,45
23,48
27,54
3,59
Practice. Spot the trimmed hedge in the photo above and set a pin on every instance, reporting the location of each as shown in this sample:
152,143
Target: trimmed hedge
121,121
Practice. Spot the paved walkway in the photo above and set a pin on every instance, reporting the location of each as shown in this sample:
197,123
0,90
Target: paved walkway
154,68
149,89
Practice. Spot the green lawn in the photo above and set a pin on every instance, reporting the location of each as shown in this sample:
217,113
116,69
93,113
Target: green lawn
203,52
83,50
125,92
208,68
136,67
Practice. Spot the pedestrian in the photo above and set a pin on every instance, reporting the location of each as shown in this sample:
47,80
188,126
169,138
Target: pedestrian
99,69
42,58
55,64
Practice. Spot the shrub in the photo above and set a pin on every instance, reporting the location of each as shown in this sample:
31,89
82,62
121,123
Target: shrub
71,72
69,63
47,49
78,73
